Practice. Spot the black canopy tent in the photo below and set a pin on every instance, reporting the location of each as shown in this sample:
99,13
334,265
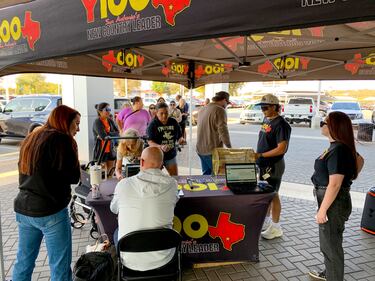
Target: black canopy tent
189,41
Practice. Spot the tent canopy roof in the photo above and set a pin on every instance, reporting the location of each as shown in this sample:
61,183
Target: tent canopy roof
191,41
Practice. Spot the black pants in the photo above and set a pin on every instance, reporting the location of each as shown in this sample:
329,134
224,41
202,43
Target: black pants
276,172
331,233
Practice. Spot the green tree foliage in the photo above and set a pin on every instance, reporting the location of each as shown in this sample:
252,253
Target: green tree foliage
34,83
234,87
119,86
165,88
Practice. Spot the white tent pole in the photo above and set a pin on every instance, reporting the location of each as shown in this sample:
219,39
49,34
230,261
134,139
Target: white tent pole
2,271
190,128
318,100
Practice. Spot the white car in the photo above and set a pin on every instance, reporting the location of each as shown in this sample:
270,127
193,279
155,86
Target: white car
148,101
352,109
251,113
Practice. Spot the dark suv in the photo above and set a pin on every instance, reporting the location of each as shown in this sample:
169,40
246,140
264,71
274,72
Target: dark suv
23,114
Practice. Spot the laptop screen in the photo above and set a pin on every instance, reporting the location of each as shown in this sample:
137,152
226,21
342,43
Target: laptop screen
238,173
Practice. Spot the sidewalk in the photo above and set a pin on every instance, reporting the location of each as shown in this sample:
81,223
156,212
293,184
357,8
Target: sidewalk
287,258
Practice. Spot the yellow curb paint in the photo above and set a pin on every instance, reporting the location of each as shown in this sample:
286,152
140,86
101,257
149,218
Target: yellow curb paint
9,174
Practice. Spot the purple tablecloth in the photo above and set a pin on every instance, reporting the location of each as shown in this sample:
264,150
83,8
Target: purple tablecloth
215,224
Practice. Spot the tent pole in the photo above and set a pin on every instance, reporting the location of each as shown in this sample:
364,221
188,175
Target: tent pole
190,128
2,271
191,84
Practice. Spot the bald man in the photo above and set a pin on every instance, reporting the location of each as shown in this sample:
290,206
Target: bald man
146,200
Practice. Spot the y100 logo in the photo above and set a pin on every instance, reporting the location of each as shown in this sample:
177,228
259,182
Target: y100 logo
111,7
12,29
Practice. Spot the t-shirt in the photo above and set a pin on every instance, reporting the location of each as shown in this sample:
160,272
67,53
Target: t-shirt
165,134
272,133
138,120
337,159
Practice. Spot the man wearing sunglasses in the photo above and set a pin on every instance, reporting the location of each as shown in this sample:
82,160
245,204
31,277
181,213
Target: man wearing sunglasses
273,143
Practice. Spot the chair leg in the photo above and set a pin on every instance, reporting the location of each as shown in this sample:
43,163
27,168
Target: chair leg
119,269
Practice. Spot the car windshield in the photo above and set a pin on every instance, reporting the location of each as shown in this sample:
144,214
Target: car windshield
300,101
253,107
346,105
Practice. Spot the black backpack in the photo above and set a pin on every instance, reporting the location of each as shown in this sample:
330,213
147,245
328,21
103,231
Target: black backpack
94,266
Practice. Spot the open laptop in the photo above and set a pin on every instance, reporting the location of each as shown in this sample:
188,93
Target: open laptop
241,178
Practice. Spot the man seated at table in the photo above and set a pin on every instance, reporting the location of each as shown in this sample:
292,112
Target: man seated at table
143,201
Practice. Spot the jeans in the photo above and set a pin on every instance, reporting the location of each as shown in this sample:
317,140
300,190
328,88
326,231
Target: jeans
206,163
331,233
57,233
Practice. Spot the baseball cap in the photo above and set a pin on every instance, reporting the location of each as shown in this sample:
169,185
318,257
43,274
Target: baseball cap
269,99
222,95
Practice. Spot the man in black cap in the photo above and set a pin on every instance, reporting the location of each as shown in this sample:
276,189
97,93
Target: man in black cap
272,145
212,130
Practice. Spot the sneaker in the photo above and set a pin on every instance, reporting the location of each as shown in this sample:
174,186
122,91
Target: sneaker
317,275
266,225
272,232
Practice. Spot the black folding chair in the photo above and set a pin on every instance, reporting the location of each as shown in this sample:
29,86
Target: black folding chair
146,241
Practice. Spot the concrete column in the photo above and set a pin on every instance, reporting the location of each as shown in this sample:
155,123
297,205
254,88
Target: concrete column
82,93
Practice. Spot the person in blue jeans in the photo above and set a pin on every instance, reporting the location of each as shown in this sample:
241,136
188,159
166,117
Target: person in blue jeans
48,165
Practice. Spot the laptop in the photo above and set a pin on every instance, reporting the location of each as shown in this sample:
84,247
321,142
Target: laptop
241,178
131,170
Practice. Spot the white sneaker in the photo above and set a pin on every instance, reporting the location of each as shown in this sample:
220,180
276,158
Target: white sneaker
272,232
266,225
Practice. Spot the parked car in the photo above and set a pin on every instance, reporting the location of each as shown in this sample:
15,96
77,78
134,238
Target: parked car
251,113
352,109
25,113
299,110
148,101
119,103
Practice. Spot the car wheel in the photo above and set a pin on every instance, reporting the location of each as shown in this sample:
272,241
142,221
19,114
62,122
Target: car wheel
242,123
31,129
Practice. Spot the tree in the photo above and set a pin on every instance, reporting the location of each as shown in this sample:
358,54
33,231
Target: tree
34,83
160,87
119,86
234,87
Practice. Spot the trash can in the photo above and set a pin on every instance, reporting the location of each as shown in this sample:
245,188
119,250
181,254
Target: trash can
368,216
365,131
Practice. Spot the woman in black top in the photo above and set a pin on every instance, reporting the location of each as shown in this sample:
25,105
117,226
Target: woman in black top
48,165
334,171
104,126
164,132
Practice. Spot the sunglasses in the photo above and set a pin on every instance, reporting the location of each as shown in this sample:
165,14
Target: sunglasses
264,107
152,107
322,124
107,109
172,104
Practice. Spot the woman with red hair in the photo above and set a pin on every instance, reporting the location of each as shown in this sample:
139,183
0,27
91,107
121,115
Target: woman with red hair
334,171
48,165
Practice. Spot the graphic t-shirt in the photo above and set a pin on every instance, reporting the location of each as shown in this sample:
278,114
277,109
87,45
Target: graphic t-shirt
165,134
337,159
272,133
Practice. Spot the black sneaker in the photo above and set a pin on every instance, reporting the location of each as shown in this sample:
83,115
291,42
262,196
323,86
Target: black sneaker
317,275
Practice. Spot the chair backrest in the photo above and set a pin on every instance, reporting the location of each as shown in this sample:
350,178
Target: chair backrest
148,240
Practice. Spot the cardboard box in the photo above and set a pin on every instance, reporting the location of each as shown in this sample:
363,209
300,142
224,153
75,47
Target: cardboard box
220,156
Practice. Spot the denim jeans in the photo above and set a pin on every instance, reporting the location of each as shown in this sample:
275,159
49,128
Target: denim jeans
206,163
331,233
57,233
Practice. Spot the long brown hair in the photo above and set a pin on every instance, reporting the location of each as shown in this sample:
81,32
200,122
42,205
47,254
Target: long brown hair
58,122
341,130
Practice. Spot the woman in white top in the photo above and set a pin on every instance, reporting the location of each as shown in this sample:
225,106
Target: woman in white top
129,150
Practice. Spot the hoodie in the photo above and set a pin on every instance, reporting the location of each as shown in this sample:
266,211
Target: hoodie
144,201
